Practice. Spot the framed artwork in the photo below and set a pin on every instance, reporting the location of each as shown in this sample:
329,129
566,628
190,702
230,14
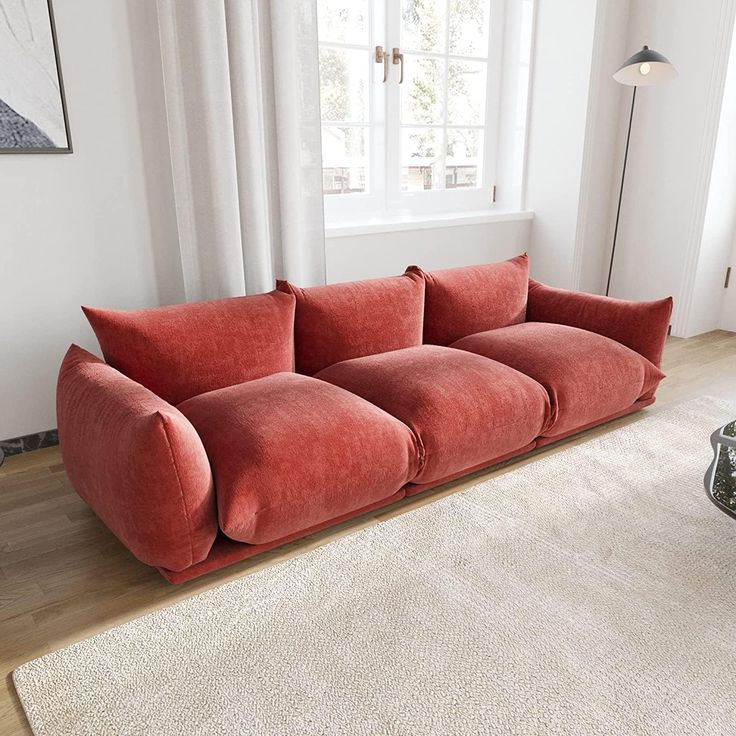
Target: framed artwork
33,117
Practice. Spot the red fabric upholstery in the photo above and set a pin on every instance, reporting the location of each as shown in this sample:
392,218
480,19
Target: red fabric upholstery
187,349
226,551
350,320
588,377
289,452
414,489
137,462
463,410
641,326
636,406
390,417
463,301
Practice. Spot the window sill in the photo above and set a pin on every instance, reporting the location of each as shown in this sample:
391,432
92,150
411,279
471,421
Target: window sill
422,222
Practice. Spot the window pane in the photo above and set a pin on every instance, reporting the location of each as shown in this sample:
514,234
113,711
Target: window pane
462,166
421,159
466,94
423,25
344,159
343,21
469,27
344,85
422,94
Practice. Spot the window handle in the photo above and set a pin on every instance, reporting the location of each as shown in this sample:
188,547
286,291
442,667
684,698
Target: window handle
382,58
398,58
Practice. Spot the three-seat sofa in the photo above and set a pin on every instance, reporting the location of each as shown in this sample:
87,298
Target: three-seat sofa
217,430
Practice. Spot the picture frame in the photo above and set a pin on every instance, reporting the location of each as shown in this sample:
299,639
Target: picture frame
33,109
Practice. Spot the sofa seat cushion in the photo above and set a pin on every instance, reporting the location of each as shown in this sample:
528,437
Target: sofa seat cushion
464,410
588,377
289,452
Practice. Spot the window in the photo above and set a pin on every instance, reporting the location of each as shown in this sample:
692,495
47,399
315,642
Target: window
412,96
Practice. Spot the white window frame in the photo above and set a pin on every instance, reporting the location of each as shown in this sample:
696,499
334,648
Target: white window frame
359,205
384,199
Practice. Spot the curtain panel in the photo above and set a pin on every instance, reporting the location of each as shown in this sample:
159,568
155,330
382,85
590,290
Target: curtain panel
241,80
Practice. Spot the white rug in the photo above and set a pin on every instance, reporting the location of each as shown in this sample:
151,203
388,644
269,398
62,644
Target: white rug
590,592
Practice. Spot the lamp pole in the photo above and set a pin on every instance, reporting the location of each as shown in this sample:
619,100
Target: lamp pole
621,193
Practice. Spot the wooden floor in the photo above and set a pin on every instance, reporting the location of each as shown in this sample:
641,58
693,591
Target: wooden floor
64,577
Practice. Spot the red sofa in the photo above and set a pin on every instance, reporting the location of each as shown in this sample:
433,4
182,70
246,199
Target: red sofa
217,430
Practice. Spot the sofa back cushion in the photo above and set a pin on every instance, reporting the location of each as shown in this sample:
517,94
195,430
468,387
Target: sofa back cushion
184,350
463,301
350,320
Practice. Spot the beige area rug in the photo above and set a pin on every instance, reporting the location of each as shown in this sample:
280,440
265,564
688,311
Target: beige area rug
590,592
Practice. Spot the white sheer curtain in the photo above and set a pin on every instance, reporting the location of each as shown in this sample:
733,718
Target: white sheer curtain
241,82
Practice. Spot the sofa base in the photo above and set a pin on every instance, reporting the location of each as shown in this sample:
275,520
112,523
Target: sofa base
226,551
413,489
544,441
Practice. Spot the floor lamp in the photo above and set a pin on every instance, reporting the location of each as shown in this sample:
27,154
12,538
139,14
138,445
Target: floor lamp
644,69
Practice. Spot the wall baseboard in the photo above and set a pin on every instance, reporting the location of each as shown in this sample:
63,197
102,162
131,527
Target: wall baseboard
28,443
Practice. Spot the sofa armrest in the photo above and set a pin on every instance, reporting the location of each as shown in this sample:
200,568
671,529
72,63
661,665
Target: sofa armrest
137,461
641,326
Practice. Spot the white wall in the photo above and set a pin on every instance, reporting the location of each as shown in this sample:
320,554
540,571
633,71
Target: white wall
385,254
720,218
727,319
561,72
671,152
80,228
608,106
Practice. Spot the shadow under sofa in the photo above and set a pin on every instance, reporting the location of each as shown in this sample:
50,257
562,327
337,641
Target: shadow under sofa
217,430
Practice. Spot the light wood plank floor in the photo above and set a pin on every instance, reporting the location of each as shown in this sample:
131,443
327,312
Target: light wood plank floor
64,577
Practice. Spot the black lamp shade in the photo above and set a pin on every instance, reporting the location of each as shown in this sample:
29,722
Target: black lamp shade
645,68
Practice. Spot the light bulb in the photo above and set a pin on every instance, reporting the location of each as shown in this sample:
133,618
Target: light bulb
645,68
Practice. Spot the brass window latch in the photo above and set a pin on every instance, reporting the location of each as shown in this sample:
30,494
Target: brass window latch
382,58
398,58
